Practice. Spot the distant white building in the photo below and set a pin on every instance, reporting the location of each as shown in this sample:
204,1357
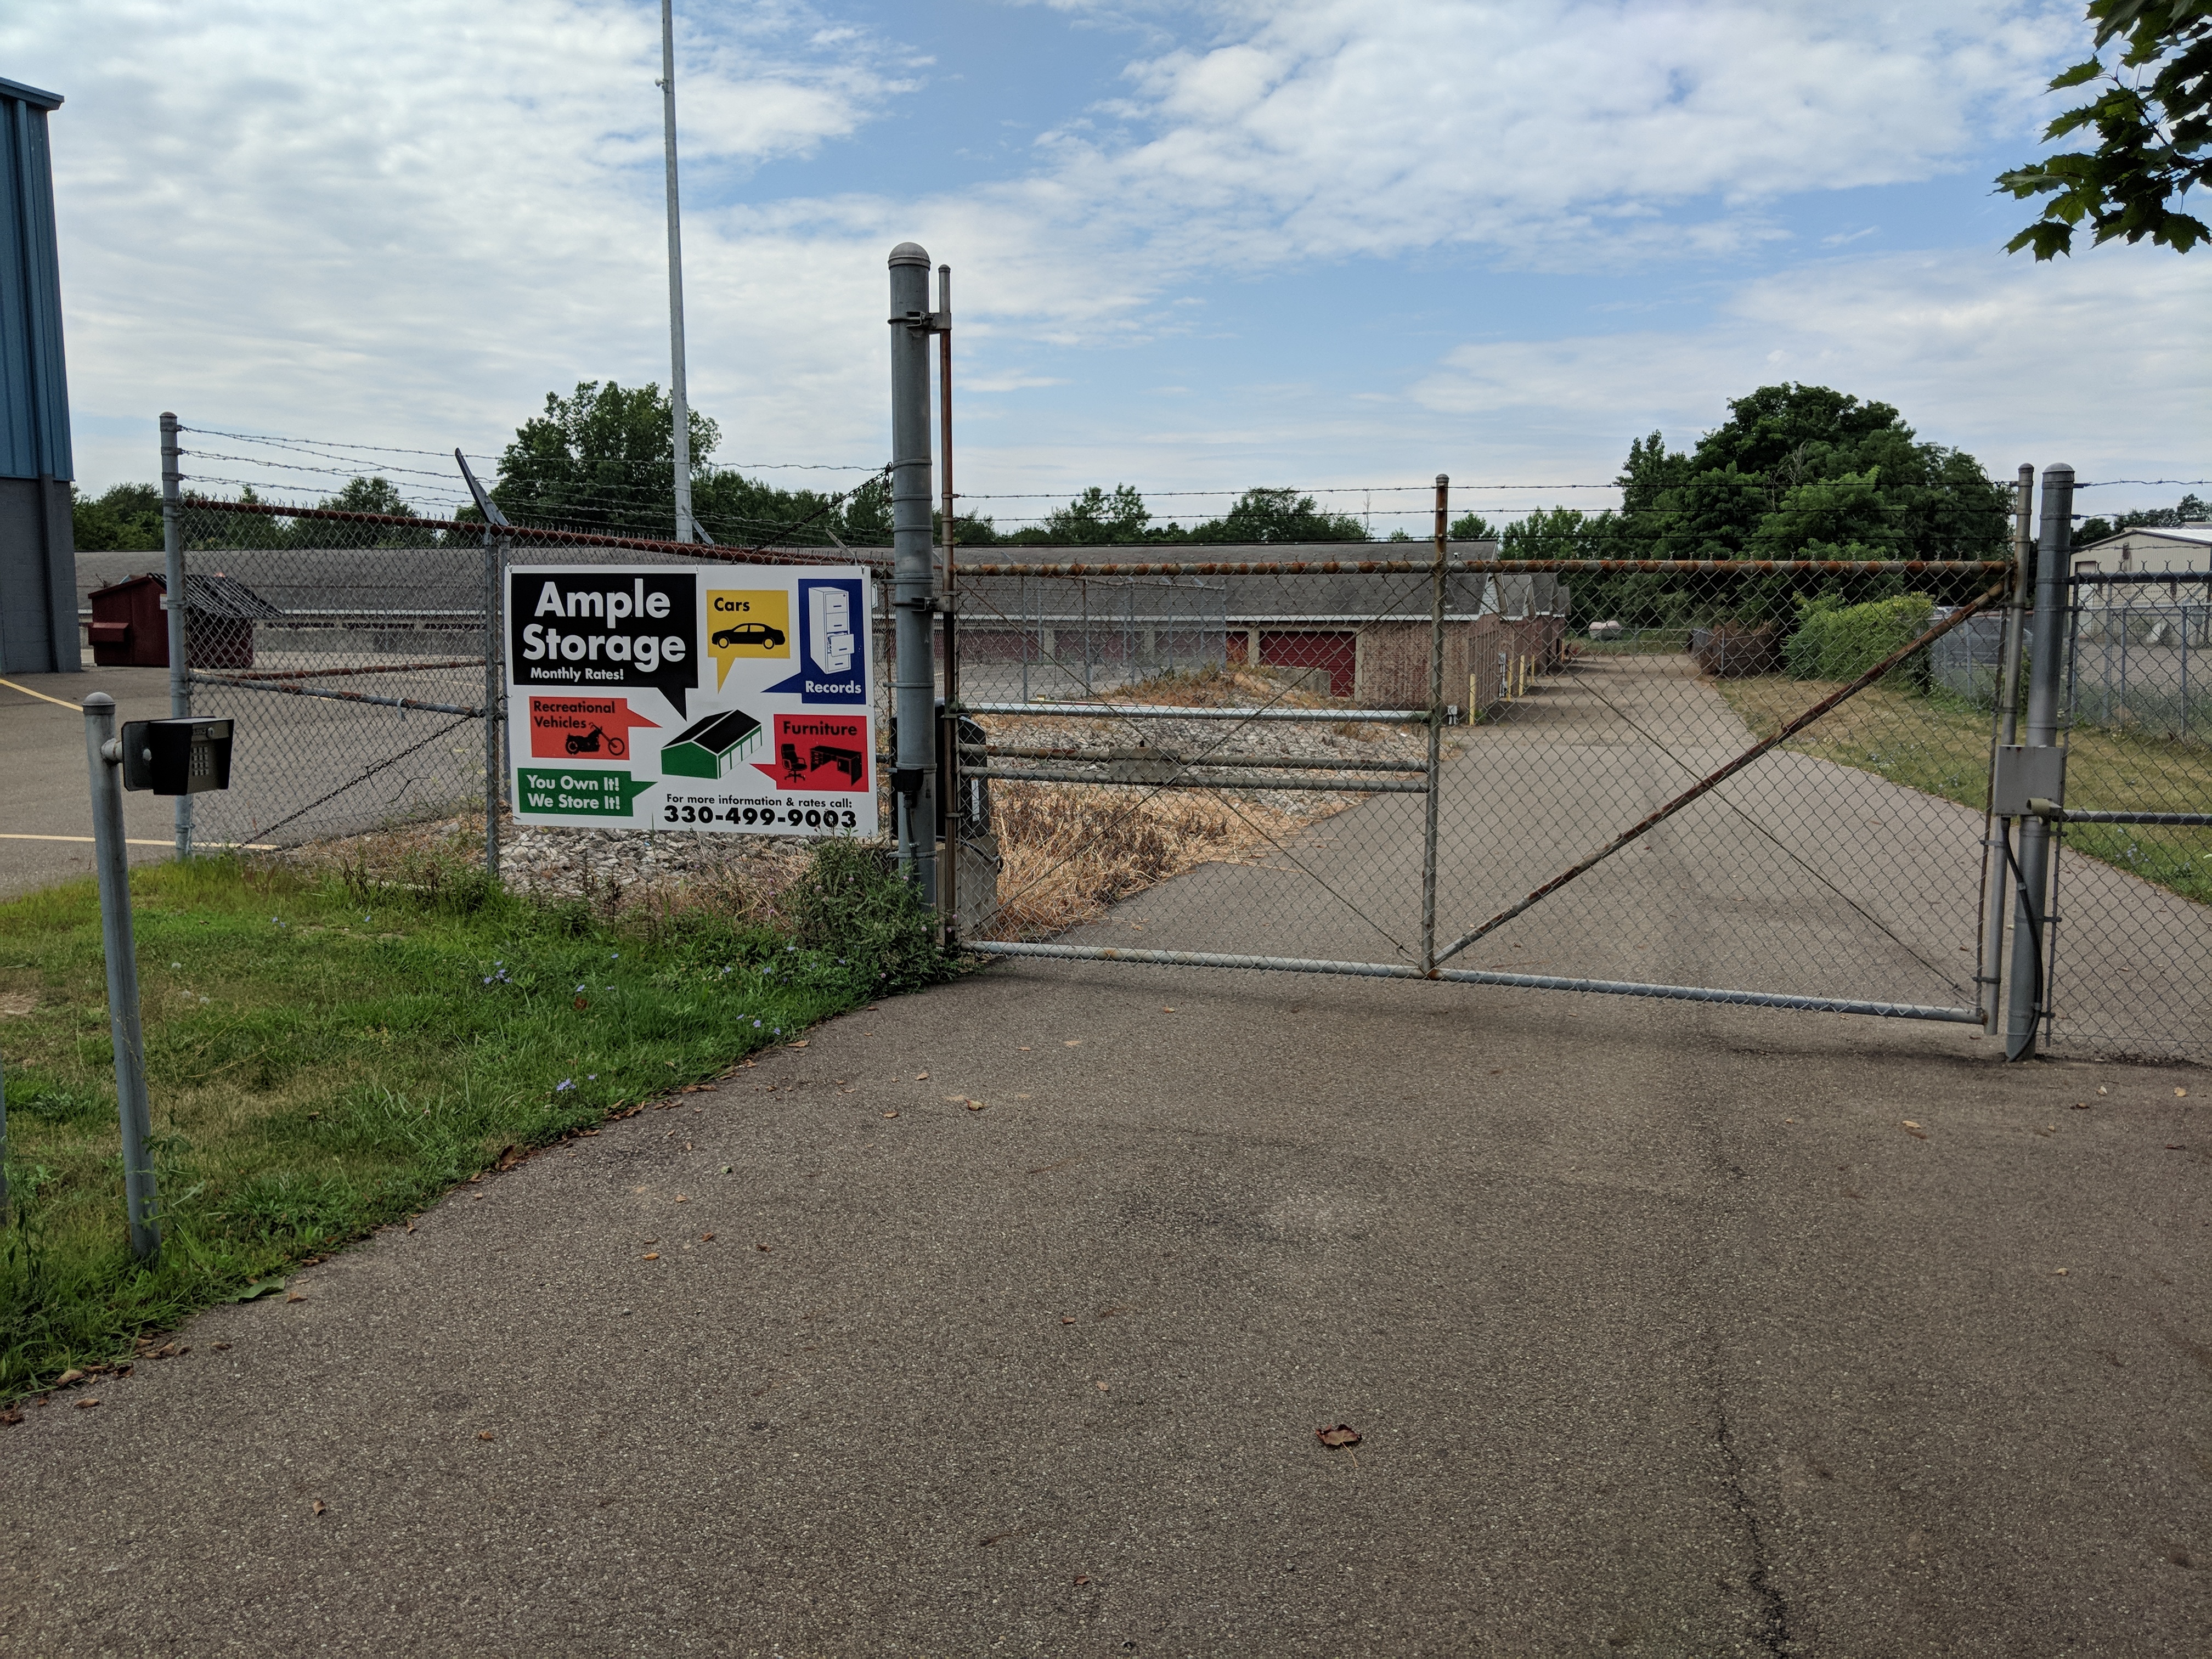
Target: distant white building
2130,604
2185,548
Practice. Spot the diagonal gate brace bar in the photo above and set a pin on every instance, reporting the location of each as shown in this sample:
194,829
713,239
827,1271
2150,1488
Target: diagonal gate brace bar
1714,780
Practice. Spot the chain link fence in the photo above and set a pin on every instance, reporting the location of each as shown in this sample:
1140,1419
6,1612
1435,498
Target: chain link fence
351,649
2131,909
1739,782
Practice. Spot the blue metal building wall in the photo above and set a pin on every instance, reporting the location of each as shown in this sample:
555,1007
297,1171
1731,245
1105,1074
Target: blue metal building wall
34,432
37,562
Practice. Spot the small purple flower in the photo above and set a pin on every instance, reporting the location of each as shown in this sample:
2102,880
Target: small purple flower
565,1083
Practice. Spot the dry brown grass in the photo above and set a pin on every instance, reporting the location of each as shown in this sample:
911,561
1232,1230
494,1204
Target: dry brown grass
1070,850
613,875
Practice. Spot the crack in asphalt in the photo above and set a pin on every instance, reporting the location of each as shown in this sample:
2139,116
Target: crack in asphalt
1773,1633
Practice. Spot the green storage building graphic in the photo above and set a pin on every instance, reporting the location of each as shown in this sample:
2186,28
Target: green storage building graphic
712,747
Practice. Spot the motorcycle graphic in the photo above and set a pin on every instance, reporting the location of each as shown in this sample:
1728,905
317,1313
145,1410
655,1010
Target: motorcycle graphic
591,743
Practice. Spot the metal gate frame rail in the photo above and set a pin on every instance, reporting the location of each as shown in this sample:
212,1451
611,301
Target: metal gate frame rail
1433,718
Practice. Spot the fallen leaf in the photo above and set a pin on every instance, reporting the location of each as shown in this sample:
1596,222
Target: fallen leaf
2079,1106
1102,1388
2058,1273
218,1347
2102,1090
260,1287
680,1199
87,1403
1166,1010
1070,1320
801,1043
763,1247
2175,1146
726,1168
483,1434
2181,1094
1909,1124
581,1004
653,1255
976,1105
1082,1578
318,1506
1024,1049
1788,1120
956,1099
921,1077
706,1238
1342,1435
294,1296
1915,1130
1072,1042
68,1377
890,1114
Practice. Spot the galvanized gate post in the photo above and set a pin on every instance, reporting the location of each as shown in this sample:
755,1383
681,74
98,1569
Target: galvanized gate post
111,853
2045,665
2004,699
1436,730
948,735
915,708
173,603
495,774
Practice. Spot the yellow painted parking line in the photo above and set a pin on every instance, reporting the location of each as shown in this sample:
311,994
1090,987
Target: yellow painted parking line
226,846
74,707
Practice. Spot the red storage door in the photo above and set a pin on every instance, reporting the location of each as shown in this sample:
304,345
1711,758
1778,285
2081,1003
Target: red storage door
1339,654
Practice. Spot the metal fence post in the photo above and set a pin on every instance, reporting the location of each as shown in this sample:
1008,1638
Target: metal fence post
915,689
104,756
1436,730
173,601
4,1144
2045,667
2004,699
495,774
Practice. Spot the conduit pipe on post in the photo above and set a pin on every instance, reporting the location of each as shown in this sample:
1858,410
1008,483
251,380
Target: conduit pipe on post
173,602
2004,697
948,737
913,601
2024,1004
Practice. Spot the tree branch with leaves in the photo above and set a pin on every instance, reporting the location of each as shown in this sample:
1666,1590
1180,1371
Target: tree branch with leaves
2152,115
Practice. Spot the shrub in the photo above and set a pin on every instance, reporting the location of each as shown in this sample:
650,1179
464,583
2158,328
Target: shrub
852,902
1837,641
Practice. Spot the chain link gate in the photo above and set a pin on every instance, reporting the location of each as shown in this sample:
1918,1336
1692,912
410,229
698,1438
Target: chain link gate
2130,967
1733,782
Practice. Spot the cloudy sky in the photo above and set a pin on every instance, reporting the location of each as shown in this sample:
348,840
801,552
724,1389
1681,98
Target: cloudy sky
1204,246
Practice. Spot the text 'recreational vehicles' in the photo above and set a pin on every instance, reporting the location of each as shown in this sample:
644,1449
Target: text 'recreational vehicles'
657,695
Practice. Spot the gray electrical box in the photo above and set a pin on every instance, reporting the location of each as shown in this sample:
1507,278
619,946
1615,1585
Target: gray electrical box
176,756
2026,771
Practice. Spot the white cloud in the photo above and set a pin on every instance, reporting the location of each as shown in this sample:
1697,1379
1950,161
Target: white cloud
2011,361
402,224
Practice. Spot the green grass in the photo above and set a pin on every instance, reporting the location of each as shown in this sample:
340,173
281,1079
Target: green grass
328,1056
1939,744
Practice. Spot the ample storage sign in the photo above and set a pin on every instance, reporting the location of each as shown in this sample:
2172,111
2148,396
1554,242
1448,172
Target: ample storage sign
733,700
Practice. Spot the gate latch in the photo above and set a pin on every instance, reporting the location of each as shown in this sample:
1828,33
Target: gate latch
2028,777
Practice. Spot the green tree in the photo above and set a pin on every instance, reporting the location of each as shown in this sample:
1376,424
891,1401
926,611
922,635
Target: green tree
1280,515
1559,532
1097,517
2191,509
1468,527
602,459
372,495
2152,115
125,519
